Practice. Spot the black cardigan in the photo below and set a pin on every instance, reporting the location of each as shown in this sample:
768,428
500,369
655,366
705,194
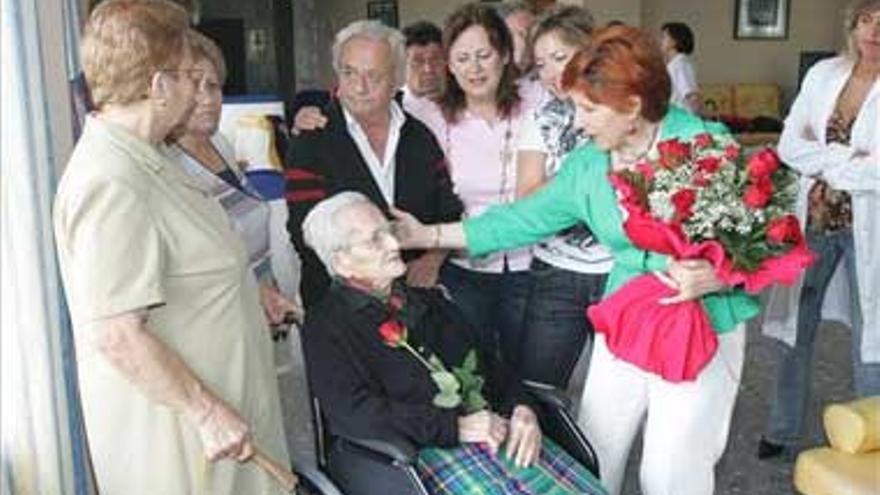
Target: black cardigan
324,162
370,390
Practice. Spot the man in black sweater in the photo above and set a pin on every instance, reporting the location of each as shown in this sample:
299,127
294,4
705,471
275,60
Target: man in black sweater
371,146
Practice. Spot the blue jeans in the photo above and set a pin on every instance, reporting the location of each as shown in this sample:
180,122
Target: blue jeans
557,329
494,304
788,412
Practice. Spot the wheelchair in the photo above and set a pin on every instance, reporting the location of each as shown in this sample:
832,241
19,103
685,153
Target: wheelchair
359,466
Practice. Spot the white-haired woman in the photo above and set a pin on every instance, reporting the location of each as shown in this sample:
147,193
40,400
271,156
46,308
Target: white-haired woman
174,358
832,137
368,347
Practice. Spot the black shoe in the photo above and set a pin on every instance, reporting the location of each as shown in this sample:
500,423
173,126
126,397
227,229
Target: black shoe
769,450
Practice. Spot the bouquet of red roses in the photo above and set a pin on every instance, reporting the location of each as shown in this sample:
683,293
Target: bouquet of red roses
699,200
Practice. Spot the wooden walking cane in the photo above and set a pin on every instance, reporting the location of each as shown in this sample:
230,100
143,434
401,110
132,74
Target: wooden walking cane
273,468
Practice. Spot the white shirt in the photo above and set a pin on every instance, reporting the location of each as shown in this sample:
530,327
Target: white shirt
382,170
854,168
684,79
550,130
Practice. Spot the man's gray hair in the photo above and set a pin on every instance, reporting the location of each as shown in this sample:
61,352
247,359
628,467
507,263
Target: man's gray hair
321,229
376,31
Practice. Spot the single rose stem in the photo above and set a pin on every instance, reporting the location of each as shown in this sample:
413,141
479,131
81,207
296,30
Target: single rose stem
419,356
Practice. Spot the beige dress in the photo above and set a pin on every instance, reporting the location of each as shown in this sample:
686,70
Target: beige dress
133,232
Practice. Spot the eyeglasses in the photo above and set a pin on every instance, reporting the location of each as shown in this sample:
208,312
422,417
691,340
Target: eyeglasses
349,75
195,75
375,241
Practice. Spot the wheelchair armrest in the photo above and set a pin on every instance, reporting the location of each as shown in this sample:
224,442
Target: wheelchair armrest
397,448
547,394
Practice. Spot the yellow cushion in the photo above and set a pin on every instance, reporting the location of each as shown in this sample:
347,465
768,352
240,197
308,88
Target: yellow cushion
854,427
717,99
825,471
756,100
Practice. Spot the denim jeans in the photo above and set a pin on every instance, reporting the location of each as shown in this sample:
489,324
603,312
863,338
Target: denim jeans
788,412
494,304
557,329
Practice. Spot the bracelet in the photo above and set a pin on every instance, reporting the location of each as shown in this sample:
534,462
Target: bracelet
437,233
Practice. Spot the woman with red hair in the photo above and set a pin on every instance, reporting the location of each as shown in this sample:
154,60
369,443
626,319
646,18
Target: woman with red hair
621,89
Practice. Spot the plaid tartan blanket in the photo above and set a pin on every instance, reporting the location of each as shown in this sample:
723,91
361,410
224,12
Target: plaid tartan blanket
473,470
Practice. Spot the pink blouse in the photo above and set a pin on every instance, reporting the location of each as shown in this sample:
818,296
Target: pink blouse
482,162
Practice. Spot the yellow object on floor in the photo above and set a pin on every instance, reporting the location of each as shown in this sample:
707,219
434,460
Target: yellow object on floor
851,465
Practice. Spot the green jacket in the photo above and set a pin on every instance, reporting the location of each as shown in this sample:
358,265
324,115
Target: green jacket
581,192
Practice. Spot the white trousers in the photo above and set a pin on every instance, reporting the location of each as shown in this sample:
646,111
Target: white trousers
686,424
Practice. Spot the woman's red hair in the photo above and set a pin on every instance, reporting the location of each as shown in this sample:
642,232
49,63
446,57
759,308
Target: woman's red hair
621,63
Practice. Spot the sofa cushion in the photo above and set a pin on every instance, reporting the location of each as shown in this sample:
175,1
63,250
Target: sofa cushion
825,471
756,100
717,99
854,427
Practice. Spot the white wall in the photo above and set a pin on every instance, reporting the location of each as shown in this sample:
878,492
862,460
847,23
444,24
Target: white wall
813,25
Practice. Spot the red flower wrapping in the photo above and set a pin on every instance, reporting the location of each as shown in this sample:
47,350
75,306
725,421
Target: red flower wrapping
682,342
675,341
393,332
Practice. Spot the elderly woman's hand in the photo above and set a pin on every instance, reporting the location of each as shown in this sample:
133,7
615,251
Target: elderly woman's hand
223,432
278,308
524,441
483,427
691,278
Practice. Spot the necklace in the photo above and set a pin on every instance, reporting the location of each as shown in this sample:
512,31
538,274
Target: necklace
622,161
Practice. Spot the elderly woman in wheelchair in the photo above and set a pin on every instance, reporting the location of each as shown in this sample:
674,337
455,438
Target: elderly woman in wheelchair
397,367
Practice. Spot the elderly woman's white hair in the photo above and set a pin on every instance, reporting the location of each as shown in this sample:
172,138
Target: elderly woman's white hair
321,229
376,31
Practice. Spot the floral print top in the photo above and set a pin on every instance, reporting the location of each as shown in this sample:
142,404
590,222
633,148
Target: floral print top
830,210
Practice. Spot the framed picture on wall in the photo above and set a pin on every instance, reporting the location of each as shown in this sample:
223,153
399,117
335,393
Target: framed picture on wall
384,11
761,19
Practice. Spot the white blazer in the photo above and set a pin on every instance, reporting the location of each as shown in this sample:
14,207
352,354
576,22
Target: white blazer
854,168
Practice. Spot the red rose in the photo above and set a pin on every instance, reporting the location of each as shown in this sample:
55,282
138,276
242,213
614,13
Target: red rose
673,153
700,179
703,140
731,152
758,193
683,200
763,163
709,164
646,170
784,230
393,332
